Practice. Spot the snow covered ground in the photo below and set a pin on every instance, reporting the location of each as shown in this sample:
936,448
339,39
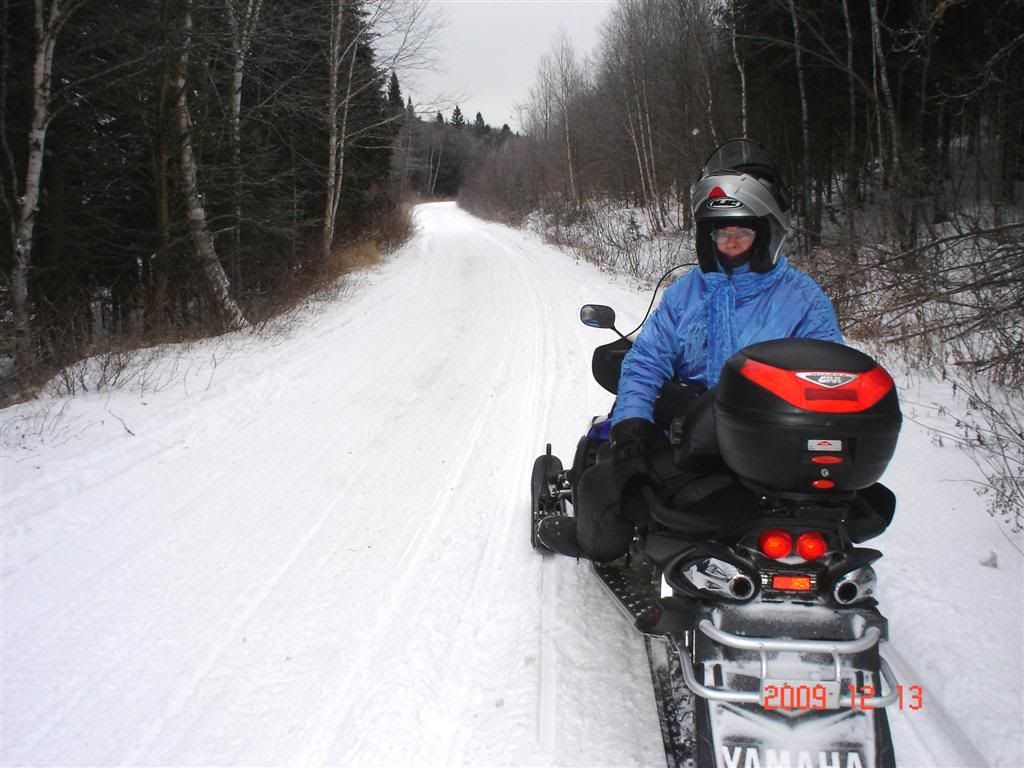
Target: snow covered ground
312,550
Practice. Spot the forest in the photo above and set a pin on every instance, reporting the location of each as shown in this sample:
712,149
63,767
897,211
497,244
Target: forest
900,126
175,169
172,170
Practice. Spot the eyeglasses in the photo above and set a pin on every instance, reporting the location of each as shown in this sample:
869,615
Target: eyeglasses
733,233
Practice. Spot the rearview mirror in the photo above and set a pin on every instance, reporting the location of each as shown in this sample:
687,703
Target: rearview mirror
597,316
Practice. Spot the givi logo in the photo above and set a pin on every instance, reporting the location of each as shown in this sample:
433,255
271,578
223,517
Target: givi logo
830,379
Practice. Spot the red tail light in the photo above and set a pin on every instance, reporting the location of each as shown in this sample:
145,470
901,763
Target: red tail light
821,391
775,543
811,545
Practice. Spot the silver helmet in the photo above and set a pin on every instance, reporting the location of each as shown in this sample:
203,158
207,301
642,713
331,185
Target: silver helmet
739,187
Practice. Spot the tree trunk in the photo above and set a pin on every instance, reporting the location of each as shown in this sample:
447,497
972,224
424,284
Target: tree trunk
633,132
804,122
883,80
852,171
242,30
48,23
743,74
652,163
337,131
199,229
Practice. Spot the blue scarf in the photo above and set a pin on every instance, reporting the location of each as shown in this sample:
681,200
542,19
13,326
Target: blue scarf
713,335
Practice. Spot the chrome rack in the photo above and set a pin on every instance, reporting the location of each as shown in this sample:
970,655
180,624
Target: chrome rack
763,646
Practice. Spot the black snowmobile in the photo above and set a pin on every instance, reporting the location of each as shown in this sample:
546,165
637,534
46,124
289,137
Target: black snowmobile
761,627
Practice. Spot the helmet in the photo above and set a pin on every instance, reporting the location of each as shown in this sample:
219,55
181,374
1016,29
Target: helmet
740,187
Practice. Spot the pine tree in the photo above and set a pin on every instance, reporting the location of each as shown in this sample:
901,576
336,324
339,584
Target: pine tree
480,128
394,94
439,119
458,121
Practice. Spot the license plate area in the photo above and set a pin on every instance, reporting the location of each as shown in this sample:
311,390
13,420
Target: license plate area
799,695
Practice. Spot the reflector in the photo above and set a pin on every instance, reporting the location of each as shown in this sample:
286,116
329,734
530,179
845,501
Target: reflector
861,392
791,583
827,460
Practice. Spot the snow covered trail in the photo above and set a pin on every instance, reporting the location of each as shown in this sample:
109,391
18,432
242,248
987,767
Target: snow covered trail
324,559
313,550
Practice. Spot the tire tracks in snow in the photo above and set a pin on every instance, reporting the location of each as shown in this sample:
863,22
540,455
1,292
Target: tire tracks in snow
424,542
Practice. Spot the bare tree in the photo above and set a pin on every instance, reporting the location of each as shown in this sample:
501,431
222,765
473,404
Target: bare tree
568,81
740,69
882,71
407,26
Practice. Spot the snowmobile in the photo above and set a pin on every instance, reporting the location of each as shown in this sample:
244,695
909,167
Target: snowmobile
762,629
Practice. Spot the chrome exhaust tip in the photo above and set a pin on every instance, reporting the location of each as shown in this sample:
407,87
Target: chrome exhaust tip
741,587
854,587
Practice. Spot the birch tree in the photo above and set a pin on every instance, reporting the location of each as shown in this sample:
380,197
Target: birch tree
882,73
49,19
631,47
199,229
741,70
405,27
243,17
568,83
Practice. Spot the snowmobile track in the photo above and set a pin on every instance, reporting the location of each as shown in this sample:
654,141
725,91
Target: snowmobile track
634,585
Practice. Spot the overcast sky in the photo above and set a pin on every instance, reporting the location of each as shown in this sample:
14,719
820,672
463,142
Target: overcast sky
489,49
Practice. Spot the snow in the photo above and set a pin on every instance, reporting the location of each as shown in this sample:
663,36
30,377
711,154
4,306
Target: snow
311,548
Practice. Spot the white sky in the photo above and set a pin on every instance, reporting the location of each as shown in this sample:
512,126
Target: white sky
489,49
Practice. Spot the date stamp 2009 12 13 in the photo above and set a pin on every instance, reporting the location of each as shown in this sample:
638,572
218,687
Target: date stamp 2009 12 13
813,696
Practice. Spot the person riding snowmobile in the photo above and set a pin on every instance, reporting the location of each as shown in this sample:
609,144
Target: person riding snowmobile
744,292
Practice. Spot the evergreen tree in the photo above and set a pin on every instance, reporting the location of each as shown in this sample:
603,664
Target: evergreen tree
439,119
480,128
394,94
458,121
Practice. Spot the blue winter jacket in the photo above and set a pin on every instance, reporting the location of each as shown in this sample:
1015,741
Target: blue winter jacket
706,317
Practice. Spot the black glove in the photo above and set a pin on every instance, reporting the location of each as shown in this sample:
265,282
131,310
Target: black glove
632,441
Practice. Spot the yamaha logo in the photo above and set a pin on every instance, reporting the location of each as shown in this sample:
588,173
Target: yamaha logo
829,379
724,202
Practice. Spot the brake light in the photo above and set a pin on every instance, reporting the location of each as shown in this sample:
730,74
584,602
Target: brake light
775,543
822,392
791,583
811,545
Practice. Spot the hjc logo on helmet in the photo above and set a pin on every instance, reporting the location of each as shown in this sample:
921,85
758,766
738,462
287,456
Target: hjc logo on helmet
724,202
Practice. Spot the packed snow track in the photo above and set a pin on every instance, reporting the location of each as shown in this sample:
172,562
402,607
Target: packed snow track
312,549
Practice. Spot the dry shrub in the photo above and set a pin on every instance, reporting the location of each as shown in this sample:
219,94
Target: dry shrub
395,228
352,257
